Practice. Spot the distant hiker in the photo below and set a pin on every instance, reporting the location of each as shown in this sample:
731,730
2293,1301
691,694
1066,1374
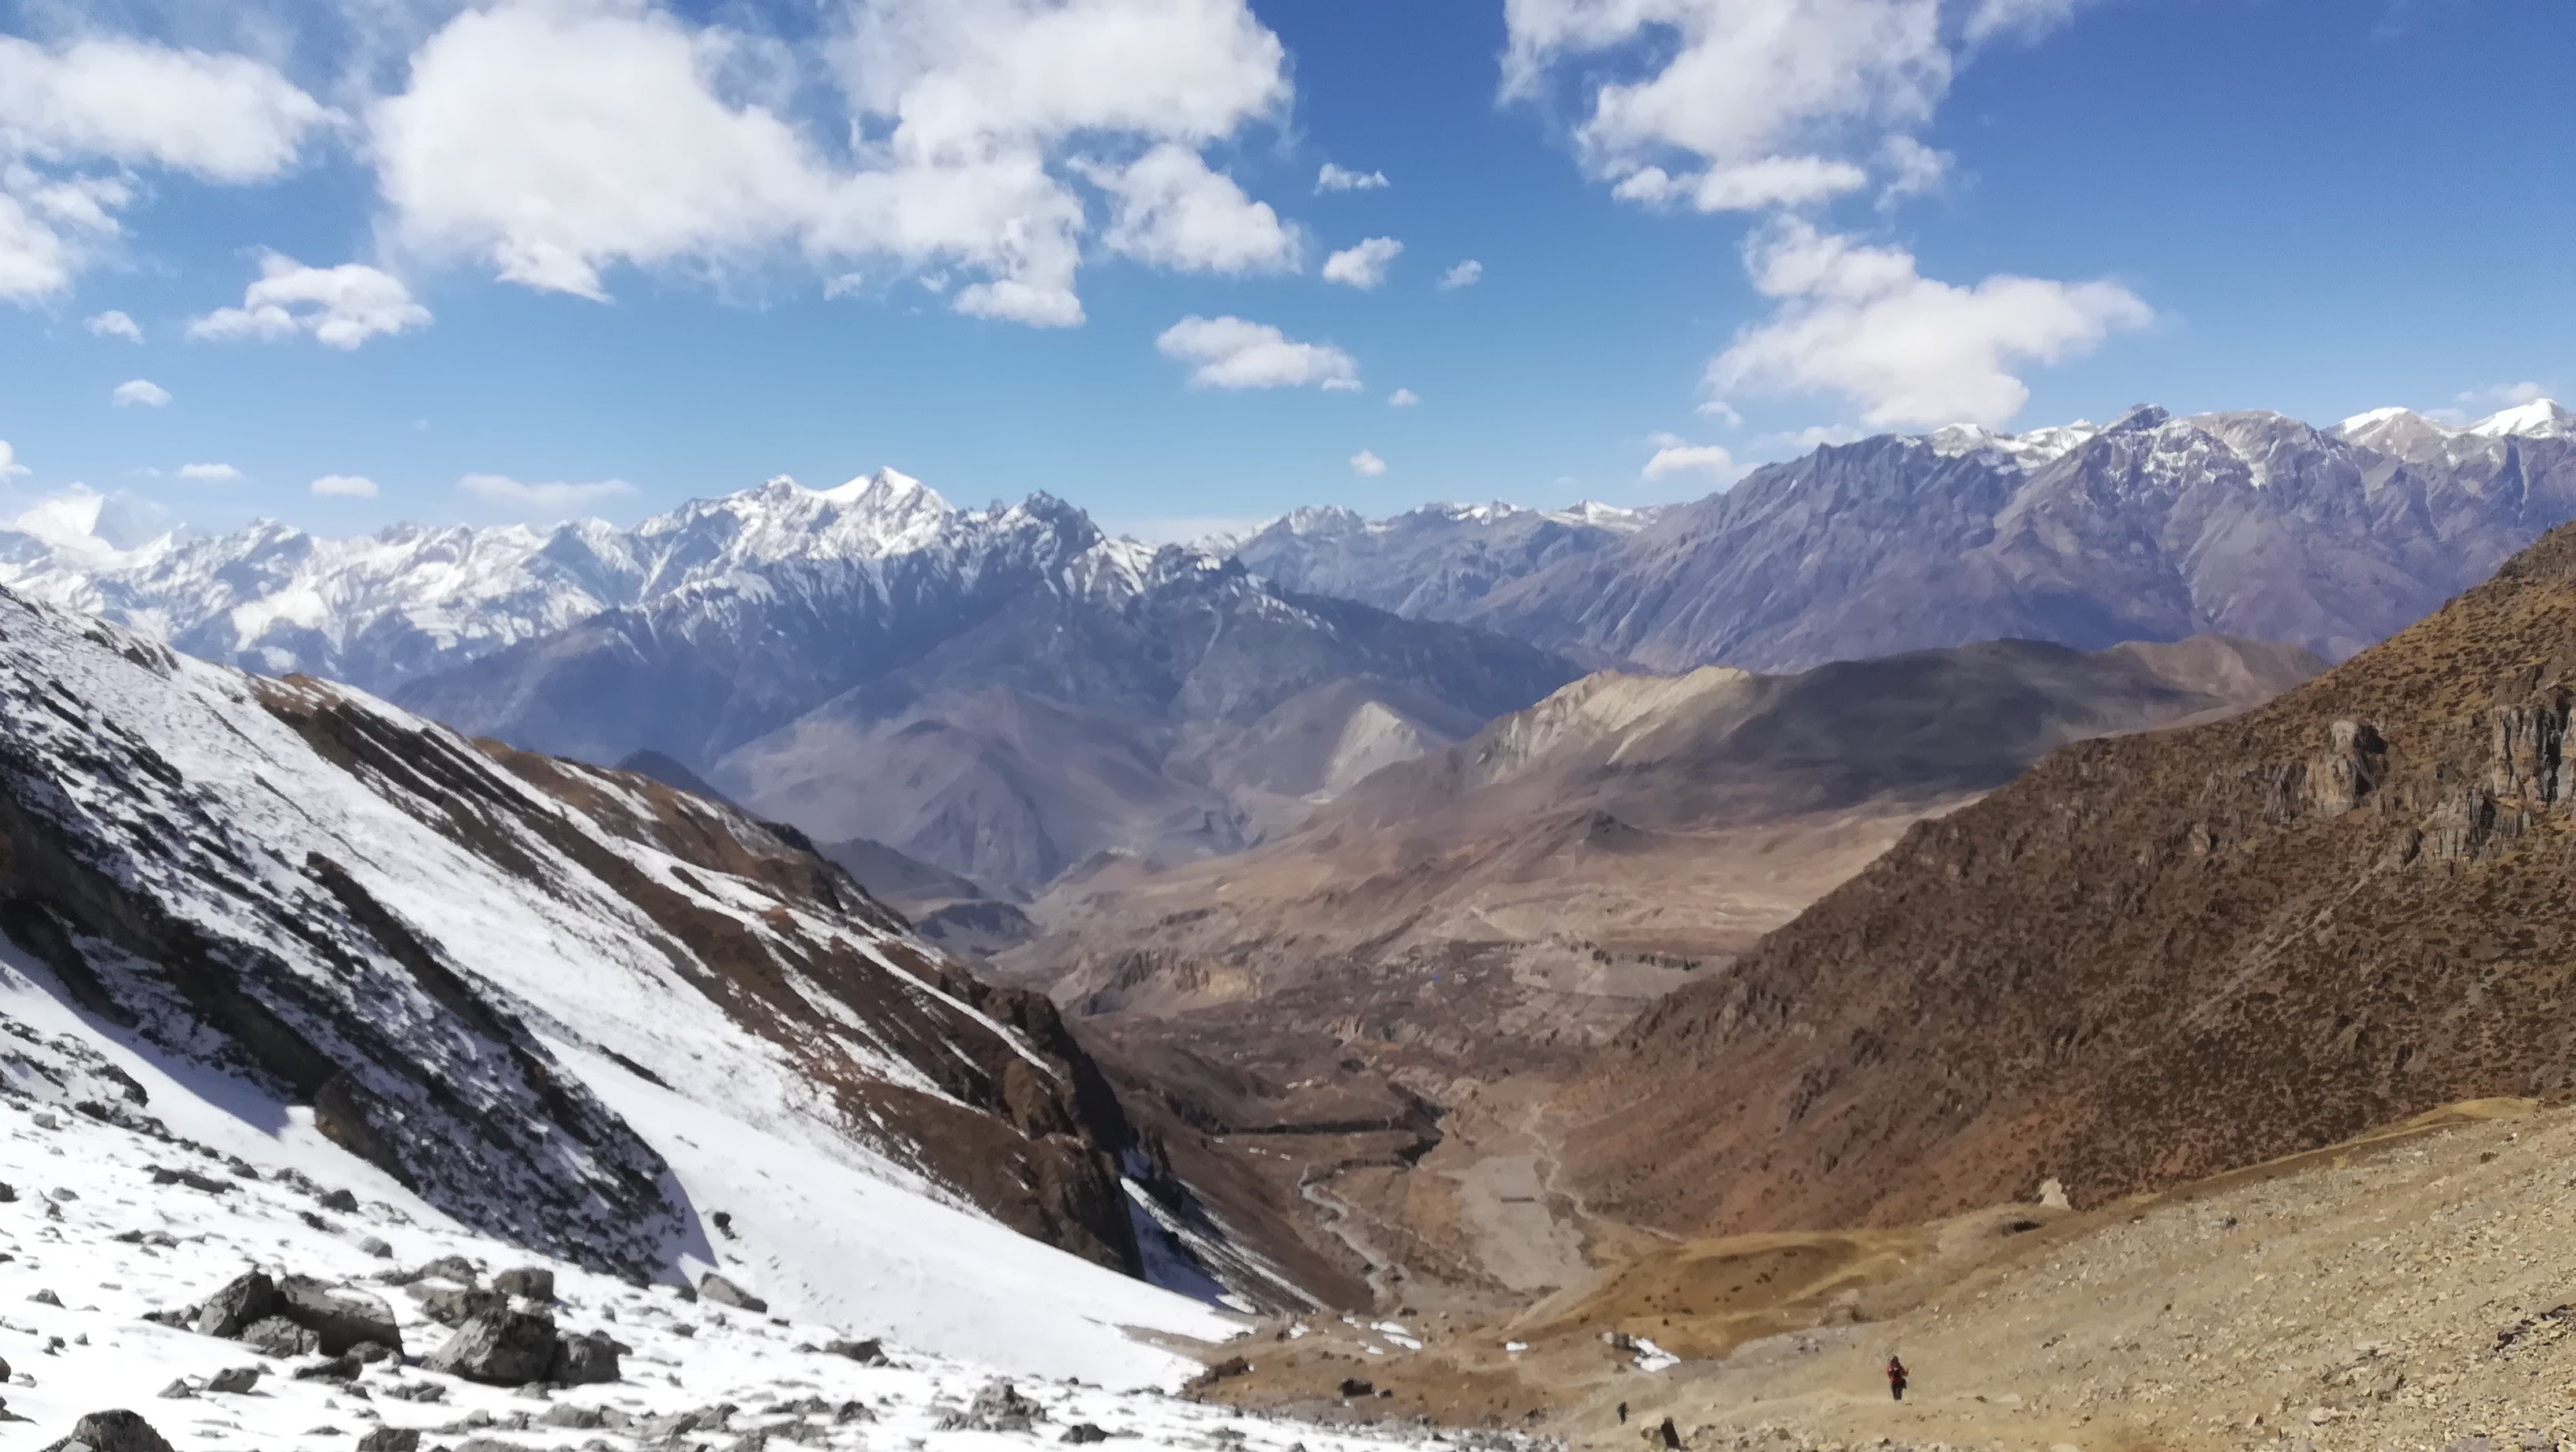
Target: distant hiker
1896,1378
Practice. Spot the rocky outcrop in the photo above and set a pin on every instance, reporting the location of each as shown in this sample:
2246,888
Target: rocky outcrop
2150,958
500,1347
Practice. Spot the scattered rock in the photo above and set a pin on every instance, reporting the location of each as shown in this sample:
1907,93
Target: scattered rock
1358,1386
999,1407
453,1305
569,1414
534,1282
233,1380
586,1360
343,1316
46,1298
725,1293
870,1352
376,1247
118,1431
192,1180
340,1200
277,1336
8,1193
500,1348
244,1301
390,1439
1082,1432
178,1391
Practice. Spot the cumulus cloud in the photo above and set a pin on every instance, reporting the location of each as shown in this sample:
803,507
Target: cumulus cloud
1465,274
1677,455
1861,322
1232,353
1403,398
1367,464
10,468
344,486
140,393
1362,265
68,111
114,324
512,494
341,307
1812,437
1743,105
1342,179
1174,211
210,473
555,139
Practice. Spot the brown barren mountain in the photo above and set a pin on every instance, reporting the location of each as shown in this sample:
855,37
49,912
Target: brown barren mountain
1374,1009
2149,958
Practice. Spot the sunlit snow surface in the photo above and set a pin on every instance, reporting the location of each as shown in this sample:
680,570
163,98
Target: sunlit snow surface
686,1356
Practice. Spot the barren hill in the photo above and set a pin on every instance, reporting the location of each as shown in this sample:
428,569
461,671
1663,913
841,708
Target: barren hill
2150,957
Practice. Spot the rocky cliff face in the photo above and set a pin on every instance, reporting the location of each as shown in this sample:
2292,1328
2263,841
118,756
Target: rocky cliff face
458,957
2151,957
1434,563
2152,528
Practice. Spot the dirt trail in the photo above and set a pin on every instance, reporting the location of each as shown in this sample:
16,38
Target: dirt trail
2408,1290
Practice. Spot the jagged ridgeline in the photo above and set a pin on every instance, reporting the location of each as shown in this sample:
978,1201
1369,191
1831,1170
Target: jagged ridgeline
2150,958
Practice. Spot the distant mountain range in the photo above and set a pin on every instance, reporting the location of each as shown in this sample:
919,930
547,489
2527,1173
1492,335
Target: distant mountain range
1004,693
2152,527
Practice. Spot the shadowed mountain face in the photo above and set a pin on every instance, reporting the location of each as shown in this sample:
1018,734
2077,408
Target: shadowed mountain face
1434,563
2148,958
2152,528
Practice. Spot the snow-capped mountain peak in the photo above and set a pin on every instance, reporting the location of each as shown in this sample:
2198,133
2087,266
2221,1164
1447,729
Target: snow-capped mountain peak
2541,418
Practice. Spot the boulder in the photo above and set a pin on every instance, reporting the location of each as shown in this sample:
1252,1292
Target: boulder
870,1352
391,1439
343,1316
375,1246
534,1282
340,1200
725,1293
277,1336
243,1301
1082,1432
446,1268
999,1407
118,1431
449,1304
1358,1386
233,1380
584,1360
500,1348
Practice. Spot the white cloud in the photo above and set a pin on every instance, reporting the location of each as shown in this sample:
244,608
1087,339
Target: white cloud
555,139
1173,211
225,118
1720,410
511,493
1775,181
125,105
1465,274
344,486
2023,18
1677,455
1913,169
1342,179
1861,322
1403,398
141,392
1740,105
1363,264
2504,395
210,473
114,324
1367,464
1812,437
1233,353
341,306
10,468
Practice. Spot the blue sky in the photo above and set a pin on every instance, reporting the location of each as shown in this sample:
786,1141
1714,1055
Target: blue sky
1915,210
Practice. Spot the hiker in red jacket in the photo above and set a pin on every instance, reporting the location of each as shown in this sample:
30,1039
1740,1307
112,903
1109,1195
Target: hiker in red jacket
1896,1378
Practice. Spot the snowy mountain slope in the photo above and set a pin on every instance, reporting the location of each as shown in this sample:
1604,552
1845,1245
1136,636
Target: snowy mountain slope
571,1009
98,1240
2152,527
